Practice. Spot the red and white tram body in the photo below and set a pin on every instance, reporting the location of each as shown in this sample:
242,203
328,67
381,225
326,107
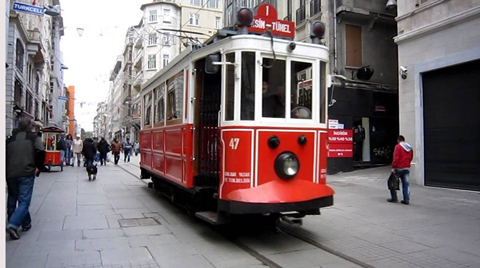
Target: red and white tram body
247,138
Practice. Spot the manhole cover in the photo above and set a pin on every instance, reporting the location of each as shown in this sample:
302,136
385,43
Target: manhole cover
138,222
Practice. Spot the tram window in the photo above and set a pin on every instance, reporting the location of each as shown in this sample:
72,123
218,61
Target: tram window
148,109
248,86
159,105
230,89
301,102
323,89
175,98
273,88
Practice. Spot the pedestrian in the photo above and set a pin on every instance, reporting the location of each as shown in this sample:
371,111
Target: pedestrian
68,150
103,148
116,148
61,145
402,157
127,148
358,138
89,151
25,157
77,149
136,147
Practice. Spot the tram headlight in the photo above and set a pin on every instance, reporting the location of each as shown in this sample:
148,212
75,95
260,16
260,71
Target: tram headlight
287,165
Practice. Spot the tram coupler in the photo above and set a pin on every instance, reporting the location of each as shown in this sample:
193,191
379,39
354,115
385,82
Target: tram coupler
291,219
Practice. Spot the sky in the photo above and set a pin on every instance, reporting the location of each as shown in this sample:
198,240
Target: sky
91,57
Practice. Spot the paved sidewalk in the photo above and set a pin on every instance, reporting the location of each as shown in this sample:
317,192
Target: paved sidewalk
113,222
440,227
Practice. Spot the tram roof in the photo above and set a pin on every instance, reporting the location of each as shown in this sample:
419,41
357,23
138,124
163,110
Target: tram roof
219,41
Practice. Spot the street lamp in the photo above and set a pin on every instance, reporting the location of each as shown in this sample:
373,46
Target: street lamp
53,11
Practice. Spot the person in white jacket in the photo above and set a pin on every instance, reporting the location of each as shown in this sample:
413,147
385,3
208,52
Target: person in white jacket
77,148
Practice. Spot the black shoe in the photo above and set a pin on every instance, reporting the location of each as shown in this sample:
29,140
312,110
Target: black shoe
26,228
405,202
391,200
13,233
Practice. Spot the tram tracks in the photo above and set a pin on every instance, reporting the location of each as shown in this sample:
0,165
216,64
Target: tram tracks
284,227
272,260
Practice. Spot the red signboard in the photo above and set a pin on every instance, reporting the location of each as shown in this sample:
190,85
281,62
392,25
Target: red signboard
266,18
340,143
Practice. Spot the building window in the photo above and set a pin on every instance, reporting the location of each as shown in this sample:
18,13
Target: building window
301,13
153,16
315,7
19,55
167,39
353,46
29,104
196,2
166,59
213,4
17,97
166,16
152,61
218,23
152,38
194,18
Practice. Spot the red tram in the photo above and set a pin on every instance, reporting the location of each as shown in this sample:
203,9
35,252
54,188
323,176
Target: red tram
238,126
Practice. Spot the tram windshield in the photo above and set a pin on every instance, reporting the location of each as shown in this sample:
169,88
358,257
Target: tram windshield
286,88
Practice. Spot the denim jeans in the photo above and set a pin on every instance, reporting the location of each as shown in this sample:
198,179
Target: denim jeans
21,216
89,161
68,155
404,177
62,156
126,155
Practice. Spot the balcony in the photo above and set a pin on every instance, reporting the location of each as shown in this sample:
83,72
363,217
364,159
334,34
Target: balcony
315,7
301,15
138,80
137,63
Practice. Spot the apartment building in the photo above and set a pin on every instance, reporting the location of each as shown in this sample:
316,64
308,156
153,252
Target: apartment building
34,73
165,29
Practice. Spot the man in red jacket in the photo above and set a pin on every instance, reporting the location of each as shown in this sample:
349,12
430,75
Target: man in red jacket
402,156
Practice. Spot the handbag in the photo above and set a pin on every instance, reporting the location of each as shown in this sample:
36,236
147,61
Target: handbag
393,182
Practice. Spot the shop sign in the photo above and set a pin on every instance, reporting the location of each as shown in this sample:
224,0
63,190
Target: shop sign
26,8
340,143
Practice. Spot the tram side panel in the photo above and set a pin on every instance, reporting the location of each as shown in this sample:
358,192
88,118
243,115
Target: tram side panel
166,153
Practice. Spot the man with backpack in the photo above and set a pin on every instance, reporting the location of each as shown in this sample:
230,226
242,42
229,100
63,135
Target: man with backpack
25,158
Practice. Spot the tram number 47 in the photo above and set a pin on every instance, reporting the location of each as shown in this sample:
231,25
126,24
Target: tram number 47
234,143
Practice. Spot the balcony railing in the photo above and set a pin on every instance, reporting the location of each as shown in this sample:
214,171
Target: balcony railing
301,15
315,7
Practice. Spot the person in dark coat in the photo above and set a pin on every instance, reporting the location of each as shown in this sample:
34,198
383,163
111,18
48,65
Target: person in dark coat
103,148
89,151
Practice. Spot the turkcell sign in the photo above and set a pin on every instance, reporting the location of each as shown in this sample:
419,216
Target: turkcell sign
266,18
22,7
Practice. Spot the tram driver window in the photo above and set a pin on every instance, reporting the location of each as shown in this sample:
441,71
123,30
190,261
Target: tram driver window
148,109
273,88
301,86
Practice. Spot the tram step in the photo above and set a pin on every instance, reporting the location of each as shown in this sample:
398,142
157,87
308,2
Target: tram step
211,217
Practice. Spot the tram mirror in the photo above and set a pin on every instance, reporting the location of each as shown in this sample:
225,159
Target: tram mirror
210,67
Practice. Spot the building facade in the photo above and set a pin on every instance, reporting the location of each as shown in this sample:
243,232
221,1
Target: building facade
165,29
439,63
34,73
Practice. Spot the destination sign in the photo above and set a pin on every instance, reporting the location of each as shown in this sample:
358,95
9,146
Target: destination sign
266,18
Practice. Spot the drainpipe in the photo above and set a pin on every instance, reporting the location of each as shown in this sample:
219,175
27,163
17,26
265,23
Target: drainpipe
335,37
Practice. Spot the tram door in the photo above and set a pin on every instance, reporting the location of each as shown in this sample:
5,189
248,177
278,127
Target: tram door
207,107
